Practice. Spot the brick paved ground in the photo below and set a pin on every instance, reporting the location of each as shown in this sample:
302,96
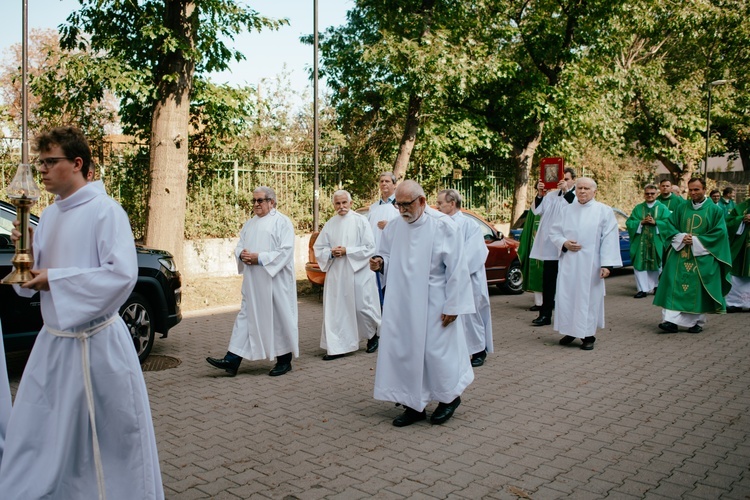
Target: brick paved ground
641,416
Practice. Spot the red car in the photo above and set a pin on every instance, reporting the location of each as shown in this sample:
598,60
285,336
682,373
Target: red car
502,265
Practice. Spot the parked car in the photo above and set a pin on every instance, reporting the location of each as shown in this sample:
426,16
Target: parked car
153,306
622,217
502,265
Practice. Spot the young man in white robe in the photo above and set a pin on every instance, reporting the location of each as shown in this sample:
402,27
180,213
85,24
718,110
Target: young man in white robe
550,206
423,354
587,237
81,422
477,326
351,308
266,326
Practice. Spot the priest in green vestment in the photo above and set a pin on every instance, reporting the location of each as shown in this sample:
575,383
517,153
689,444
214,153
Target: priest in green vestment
531,268
668,198
695,278
646,227
738,225
726,202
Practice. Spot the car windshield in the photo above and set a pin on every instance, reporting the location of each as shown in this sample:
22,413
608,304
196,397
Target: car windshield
487,231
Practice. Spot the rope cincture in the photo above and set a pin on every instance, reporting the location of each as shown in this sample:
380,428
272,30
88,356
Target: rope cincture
84,337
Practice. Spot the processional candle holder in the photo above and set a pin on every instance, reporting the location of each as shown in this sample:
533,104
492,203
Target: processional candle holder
23,193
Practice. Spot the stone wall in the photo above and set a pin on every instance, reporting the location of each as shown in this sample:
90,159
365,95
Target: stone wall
214,258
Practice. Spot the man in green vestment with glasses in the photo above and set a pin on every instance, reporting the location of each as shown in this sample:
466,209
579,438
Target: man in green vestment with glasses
695,276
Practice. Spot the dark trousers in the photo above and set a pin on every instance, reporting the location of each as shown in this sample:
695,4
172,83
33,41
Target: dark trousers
549,287
283,359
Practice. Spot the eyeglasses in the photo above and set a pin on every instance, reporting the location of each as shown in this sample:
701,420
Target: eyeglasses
647,193
258,201
405,205
49,162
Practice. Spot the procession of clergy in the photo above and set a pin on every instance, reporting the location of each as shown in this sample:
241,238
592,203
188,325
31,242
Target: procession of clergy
408,279
692,254
397,279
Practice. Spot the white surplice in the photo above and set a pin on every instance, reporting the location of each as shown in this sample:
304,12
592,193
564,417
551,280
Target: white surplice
5,399
378,212
580,291
420,360
351,308
477,326
266,325
551,206
86,244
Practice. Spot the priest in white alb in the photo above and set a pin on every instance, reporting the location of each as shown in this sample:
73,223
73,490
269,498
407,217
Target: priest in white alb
549,206
477,326
587,237
423,354
351,309
382,211
81,424
266,326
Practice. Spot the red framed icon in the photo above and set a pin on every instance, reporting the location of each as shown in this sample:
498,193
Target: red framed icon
551,170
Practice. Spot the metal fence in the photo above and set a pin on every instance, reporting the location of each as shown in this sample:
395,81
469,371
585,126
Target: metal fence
219,198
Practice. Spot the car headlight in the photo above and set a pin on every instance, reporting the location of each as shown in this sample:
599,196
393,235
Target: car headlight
168,264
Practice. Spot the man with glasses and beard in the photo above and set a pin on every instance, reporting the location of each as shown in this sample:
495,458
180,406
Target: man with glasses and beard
266,326
423,354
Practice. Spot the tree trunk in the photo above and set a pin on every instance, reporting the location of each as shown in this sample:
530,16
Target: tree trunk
165,227
409,138
411,126
745,156
524,159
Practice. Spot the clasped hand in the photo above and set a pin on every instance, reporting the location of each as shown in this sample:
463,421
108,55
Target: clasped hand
572,245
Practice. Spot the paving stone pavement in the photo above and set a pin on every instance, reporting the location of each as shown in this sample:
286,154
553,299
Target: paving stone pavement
641,416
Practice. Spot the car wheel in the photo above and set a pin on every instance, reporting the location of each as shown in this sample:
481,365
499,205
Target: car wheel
137,316
513,279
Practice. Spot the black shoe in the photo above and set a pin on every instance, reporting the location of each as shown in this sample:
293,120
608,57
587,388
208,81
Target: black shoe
567,340
640,295
372,344
734,309
331,357
588,343
444,411
542,320
535,308
280,369
695,329
409,417
229,366
477,359
668,327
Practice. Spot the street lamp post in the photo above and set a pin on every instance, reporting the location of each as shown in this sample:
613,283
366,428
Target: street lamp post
316,132
708,122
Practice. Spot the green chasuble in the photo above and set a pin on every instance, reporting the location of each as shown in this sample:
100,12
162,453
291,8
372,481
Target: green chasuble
647,247
740,243
672,201
726,206
531,268
693,284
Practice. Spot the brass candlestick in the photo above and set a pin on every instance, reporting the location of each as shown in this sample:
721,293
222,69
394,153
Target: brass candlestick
23,193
